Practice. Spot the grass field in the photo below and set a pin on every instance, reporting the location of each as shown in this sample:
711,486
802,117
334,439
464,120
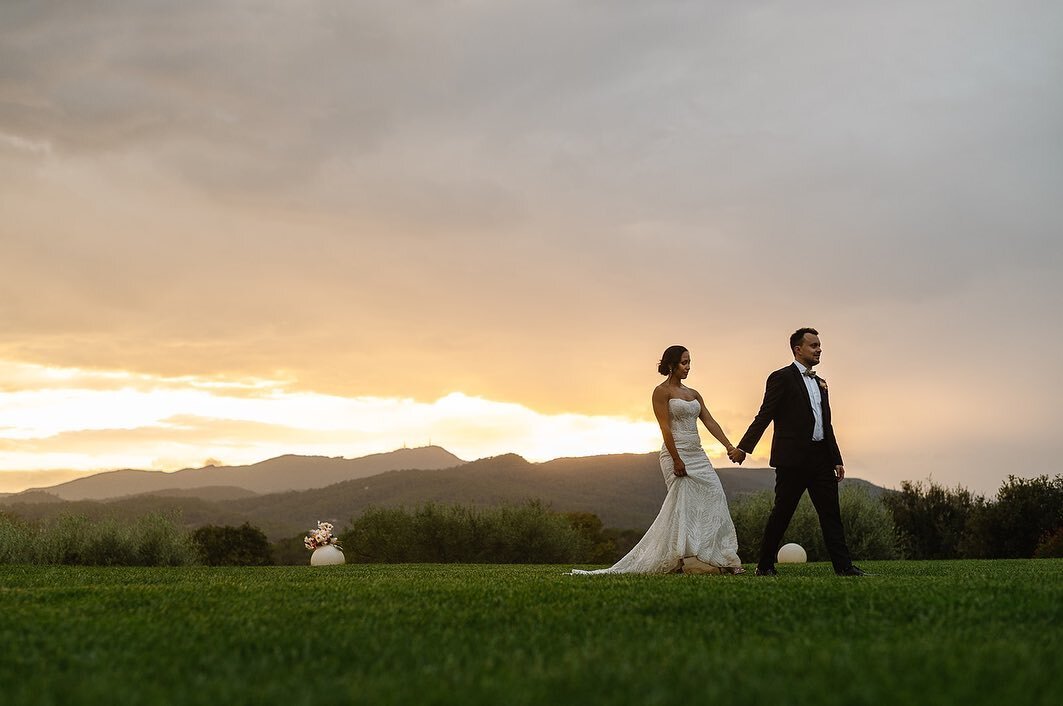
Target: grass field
957,632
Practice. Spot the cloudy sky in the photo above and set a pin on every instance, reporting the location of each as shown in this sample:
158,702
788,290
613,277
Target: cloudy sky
231,230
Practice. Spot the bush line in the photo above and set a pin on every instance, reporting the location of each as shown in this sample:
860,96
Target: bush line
922,520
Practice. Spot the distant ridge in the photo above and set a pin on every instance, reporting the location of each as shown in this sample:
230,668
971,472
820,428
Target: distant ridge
209,492
624,490
279,474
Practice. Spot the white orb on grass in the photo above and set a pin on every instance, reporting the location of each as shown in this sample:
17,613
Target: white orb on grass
792,554
326,555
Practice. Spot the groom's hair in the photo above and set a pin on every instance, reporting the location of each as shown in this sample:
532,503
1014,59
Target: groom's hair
799,335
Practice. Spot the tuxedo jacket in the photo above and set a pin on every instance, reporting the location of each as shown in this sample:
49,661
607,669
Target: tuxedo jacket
787,404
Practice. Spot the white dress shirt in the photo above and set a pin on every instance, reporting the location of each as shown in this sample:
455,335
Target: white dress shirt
817,401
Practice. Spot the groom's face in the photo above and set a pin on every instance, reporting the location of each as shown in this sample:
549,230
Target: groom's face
807,353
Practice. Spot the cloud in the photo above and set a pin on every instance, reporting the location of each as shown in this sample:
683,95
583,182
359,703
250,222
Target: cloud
528,201
168,424
560,113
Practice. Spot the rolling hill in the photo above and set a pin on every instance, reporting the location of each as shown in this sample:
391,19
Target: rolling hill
624,490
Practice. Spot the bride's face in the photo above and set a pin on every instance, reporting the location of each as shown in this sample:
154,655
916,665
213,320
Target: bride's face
682,369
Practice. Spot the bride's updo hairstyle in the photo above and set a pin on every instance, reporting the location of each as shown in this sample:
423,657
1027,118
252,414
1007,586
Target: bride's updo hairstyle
670,359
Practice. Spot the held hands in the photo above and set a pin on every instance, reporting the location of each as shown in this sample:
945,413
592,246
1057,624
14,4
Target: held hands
736,455
840,472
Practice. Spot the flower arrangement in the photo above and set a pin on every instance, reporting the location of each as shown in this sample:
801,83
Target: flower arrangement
321,537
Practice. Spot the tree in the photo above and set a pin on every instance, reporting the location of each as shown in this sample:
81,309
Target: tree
931,520
1027,512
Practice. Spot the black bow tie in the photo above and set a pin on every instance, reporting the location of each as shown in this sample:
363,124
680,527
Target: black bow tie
810,373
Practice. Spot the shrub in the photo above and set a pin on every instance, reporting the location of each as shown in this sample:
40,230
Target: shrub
17,539
290,551
63,540
447,534
160,542
622,541
509,534
226,545
1051,546
931,520
107,543
1015,525
380,536
750,513
600,543
151,540
869,529
529,534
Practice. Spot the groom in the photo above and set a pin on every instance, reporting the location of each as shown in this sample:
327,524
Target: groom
804,453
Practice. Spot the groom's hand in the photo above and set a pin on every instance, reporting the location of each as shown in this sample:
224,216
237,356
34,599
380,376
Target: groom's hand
736,455
840,472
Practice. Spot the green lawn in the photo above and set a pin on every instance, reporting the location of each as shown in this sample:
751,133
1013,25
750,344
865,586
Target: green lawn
949,632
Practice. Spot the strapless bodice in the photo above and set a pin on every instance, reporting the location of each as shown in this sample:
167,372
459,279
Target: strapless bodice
684,416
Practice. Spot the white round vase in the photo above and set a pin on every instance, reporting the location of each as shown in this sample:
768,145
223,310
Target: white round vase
792,554
326,555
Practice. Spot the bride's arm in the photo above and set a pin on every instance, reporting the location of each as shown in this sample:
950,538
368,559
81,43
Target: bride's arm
713,426
664,420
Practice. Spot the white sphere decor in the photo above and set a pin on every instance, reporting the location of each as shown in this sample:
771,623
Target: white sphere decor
792,554
326,555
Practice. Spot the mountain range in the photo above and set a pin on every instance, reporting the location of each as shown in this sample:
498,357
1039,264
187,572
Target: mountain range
289,494
273,476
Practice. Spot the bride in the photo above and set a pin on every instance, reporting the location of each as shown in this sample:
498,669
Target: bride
693,532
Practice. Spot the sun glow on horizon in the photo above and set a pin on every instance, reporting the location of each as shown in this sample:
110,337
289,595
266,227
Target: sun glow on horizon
77,420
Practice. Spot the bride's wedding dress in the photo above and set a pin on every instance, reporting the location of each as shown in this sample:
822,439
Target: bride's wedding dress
694,520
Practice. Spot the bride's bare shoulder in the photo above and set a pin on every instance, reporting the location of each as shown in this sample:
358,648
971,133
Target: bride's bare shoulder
663,392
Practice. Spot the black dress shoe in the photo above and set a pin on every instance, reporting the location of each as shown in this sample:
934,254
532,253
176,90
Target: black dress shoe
770,571
852,571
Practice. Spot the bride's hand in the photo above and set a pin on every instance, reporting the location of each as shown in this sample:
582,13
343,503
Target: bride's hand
680,468
736,455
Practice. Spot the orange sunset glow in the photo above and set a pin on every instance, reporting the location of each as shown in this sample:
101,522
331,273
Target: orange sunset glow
233,234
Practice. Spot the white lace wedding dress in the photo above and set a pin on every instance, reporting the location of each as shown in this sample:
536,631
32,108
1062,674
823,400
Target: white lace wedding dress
694,520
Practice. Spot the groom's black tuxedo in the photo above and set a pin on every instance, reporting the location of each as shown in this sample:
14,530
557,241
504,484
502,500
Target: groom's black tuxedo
800,463
786,402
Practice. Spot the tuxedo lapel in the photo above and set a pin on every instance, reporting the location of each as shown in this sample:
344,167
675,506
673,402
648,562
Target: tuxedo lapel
824,402
799,379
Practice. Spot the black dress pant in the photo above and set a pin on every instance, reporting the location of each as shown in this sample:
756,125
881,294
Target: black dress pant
818,478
